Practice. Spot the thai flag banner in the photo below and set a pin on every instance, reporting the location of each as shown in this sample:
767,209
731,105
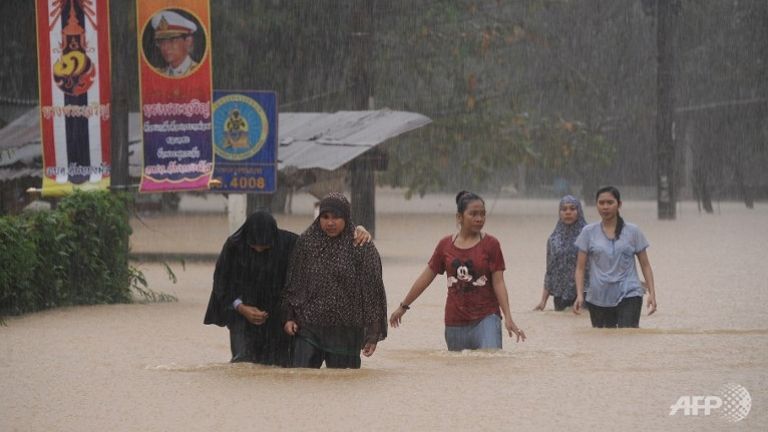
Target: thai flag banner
74,76
176,91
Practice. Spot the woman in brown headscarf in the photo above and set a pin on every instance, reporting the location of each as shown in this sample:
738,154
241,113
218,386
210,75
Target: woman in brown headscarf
247,289
334,301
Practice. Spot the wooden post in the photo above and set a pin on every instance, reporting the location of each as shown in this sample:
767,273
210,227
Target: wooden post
666,12
123,41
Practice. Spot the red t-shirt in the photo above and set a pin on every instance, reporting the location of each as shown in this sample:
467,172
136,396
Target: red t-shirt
470,282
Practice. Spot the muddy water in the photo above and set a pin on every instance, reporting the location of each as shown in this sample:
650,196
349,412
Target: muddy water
156,367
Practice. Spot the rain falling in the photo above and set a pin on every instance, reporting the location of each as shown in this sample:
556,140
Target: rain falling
398,105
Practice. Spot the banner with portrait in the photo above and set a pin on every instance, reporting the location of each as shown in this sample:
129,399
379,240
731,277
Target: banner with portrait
74,76
245,141
175,81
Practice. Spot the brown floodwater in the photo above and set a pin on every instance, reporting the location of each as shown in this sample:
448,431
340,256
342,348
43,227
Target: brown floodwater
156,367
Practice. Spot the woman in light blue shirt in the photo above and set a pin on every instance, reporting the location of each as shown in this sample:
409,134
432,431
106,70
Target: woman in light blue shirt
615,296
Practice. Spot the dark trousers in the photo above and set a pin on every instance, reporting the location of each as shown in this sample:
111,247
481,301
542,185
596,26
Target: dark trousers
561,303
306,355
625,314
266,344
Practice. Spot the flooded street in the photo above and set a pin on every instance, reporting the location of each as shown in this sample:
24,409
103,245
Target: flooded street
180,104
156,367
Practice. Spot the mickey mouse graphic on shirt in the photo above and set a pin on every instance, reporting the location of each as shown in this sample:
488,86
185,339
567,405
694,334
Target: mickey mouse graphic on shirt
464,280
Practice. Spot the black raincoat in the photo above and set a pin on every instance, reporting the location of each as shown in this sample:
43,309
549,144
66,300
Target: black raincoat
257,279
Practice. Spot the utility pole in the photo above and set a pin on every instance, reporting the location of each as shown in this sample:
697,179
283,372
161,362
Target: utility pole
363,182
666,22
122,19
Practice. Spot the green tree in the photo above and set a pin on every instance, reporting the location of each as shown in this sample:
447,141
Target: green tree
723,95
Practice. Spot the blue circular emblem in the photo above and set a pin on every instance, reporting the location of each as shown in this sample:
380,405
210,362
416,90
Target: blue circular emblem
240,127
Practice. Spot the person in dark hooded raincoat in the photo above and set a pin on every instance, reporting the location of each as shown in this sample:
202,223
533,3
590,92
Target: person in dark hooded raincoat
247,287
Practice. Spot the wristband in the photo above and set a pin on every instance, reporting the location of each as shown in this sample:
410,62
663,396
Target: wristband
404,306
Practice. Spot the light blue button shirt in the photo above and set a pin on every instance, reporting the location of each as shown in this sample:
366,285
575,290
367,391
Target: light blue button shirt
612,270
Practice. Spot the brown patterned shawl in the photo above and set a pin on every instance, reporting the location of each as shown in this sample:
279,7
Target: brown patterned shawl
333,284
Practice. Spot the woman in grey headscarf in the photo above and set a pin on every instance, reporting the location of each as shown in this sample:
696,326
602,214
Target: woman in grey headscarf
559,279
334,301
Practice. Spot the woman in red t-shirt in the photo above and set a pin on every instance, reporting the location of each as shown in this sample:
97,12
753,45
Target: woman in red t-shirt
476,290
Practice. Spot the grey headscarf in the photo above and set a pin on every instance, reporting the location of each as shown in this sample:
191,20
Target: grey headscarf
561,253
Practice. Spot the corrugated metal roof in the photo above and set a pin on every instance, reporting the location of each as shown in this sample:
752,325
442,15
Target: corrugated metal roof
24,130
307,140
328,141
11,173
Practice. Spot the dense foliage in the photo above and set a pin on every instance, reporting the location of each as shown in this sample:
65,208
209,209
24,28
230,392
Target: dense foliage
550,88
76,254
543,88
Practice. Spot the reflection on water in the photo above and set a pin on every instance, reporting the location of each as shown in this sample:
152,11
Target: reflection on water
195,368
502,354
761,332
156,367
250,370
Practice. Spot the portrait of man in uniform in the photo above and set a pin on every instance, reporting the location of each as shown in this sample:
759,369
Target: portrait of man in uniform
174,42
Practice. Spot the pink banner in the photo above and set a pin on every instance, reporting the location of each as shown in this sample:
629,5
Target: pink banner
175,76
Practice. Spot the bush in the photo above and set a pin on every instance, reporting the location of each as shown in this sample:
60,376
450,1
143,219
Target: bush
76,254
18,263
